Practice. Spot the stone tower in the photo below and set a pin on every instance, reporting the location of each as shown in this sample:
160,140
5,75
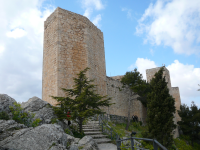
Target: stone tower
173,91
71,43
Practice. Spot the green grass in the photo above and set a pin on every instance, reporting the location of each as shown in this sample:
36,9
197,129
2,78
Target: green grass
182,143
119,128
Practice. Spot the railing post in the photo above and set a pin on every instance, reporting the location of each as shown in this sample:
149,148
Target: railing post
118,144
132,143
155,146
102,127
111,134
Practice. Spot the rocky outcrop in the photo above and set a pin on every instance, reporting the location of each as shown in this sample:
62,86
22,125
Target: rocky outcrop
42,109
8,128
46,136
87,142
5,102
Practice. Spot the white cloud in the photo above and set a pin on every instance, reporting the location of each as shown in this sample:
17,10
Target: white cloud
96,20
88,12
152,52
187,78
2,48
184,76
21,35
129,13
16,33
89,6
143,64
172,23
97,4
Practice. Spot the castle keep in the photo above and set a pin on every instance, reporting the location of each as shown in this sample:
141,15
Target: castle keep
72,43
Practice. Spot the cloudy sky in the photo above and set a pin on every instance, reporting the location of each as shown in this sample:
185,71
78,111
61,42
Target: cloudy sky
137,34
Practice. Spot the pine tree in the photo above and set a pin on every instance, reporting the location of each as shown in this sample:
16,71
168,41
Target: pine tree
190,121
160,110
82,100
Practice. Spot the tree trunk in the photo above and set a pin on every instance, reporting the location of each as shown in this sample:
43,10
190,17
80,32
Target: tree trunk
80,125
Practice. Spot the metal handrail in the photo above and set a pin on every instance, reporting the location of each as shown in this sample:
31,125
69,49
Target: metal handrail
112,132
155,143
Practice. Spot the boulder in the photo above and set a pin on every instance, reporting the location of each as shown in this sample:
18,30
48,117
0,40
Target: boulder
42,109
5,102
87,143
8,128
44,137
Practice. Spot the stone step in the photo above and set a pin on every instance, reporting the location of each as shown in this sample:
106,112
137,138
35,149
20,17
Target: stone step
92,133
93,121
103,140
90,126
98,136
87,130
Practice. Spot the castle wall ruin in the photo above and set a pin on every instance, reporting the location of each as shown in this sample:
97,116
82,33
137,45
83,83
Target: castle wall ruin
72,43
120,96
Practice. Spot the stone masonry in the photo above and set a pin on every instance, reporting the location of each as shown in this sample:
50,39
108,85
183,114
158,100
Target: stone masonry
71,43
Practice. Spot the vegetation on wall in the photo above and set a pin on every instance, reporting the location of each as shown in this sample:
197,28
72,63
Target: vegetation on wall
82,100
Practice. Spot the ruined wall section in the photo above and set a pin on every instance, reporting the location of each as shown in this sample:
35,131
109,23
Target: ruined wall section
120,96
50,63
151,72
79,44
176,96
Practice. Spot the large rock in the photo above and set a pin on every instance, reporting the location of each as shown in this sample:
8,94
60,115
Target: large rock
87,143
42,109
8,128
5,102
44,137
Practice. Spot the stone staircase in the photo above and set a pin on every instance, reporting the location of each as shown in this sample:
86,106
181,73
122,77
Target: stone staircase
93,129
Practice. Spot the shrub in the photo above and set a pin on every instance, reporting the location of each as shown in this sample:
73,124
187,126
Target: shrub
4,116
54,120
20,116
36,122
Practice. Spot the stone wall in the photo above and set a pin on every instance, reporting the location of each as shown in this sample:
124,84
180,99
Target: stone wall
176,95
71,43
120,96
50,60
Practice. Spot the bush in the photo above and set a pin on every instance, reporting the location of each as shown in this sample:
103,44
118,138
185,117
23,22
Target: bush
20,116
4,116
54,120
76,133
